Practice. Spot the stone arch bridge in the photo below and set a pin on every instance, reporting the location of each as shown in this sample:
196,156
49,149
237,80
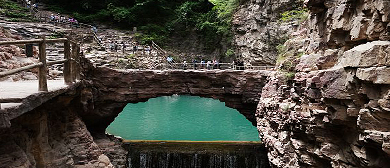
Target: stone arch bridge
108,91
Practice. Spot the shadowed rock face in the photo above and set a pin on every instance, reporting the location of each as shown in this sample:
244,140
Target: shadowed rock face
111,90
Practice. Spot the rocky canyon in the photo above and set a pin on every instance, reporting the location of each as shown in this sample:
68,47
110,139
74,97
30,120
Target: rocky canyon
333,111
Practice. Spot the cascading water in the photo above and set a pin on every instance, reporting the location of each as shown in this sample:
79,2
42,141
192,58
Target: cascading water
196,155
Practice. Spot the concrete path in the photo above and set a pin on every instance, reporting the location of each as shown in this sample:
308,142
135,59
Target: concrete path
22,89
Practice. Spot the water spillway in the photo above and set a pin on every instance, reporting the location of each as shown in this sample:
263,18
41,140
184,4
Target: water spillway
196,154
188,131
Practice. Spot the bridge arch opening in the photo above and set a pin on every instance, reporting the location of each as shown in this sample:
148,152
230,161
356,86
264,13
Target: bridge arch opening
182,117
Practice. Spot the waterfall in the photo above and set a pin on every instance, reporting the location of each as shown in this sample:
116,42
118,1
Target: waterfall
196,155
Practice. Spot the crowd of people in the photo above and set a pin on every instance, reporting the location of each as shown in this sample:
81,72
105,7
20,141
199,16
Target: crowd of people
62,19
206,64
115,46
29,6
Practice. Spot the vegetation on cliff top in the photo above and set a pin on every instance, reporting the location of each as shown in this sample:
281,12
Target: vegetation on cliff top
300,14
13,11
159,19
288,50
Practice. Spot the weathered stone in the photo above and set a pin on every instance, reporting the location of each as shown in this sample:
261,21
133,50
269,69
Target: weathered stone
370,54
377,75
258,30
384,104
352,112
369,120
386,148
335,83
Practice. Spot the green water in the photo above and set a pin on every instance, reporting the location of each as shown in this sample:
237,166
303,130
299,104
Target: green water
182,118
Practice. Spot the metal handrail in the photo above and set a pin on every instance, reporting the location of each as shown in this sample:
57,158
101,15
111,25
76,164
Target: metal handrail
213,66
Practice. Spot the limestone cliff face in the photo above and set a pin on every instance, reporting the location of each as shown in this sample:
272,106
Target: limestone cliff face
257,29
347,23
335,112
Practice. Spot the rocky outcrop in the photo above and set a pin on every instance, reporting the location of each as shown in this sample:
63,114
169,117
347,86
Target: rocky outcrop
51,135
110,90
347,23
327,118
258,30
334,113
335,116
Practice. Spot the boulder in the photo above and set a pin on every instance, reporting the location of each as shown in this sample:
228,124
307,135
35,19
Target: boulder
376,53
376,75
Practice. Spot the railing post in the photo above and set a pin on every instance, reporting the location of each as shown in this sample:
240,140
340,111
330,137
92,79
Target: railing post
75,56
67,65
77,63
42,73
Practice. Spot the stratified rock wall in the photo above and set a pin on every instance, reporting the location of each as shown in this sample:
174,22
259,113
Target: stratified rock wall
258,30
335,112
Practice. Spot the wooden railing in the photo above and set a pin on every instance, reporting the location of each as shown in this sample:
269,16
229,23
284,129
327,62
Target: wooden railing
71,60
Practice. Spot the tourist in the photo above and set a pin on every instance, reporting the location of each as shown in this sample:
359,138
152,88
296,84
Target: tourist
240,64
116,46
62,19
123,47
34,6
94,29
216,64
202,62
134,47
184,64
52,17
56,18
147,49
111,46
76,23
169,59
28,3
208,64
71,21
194,62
